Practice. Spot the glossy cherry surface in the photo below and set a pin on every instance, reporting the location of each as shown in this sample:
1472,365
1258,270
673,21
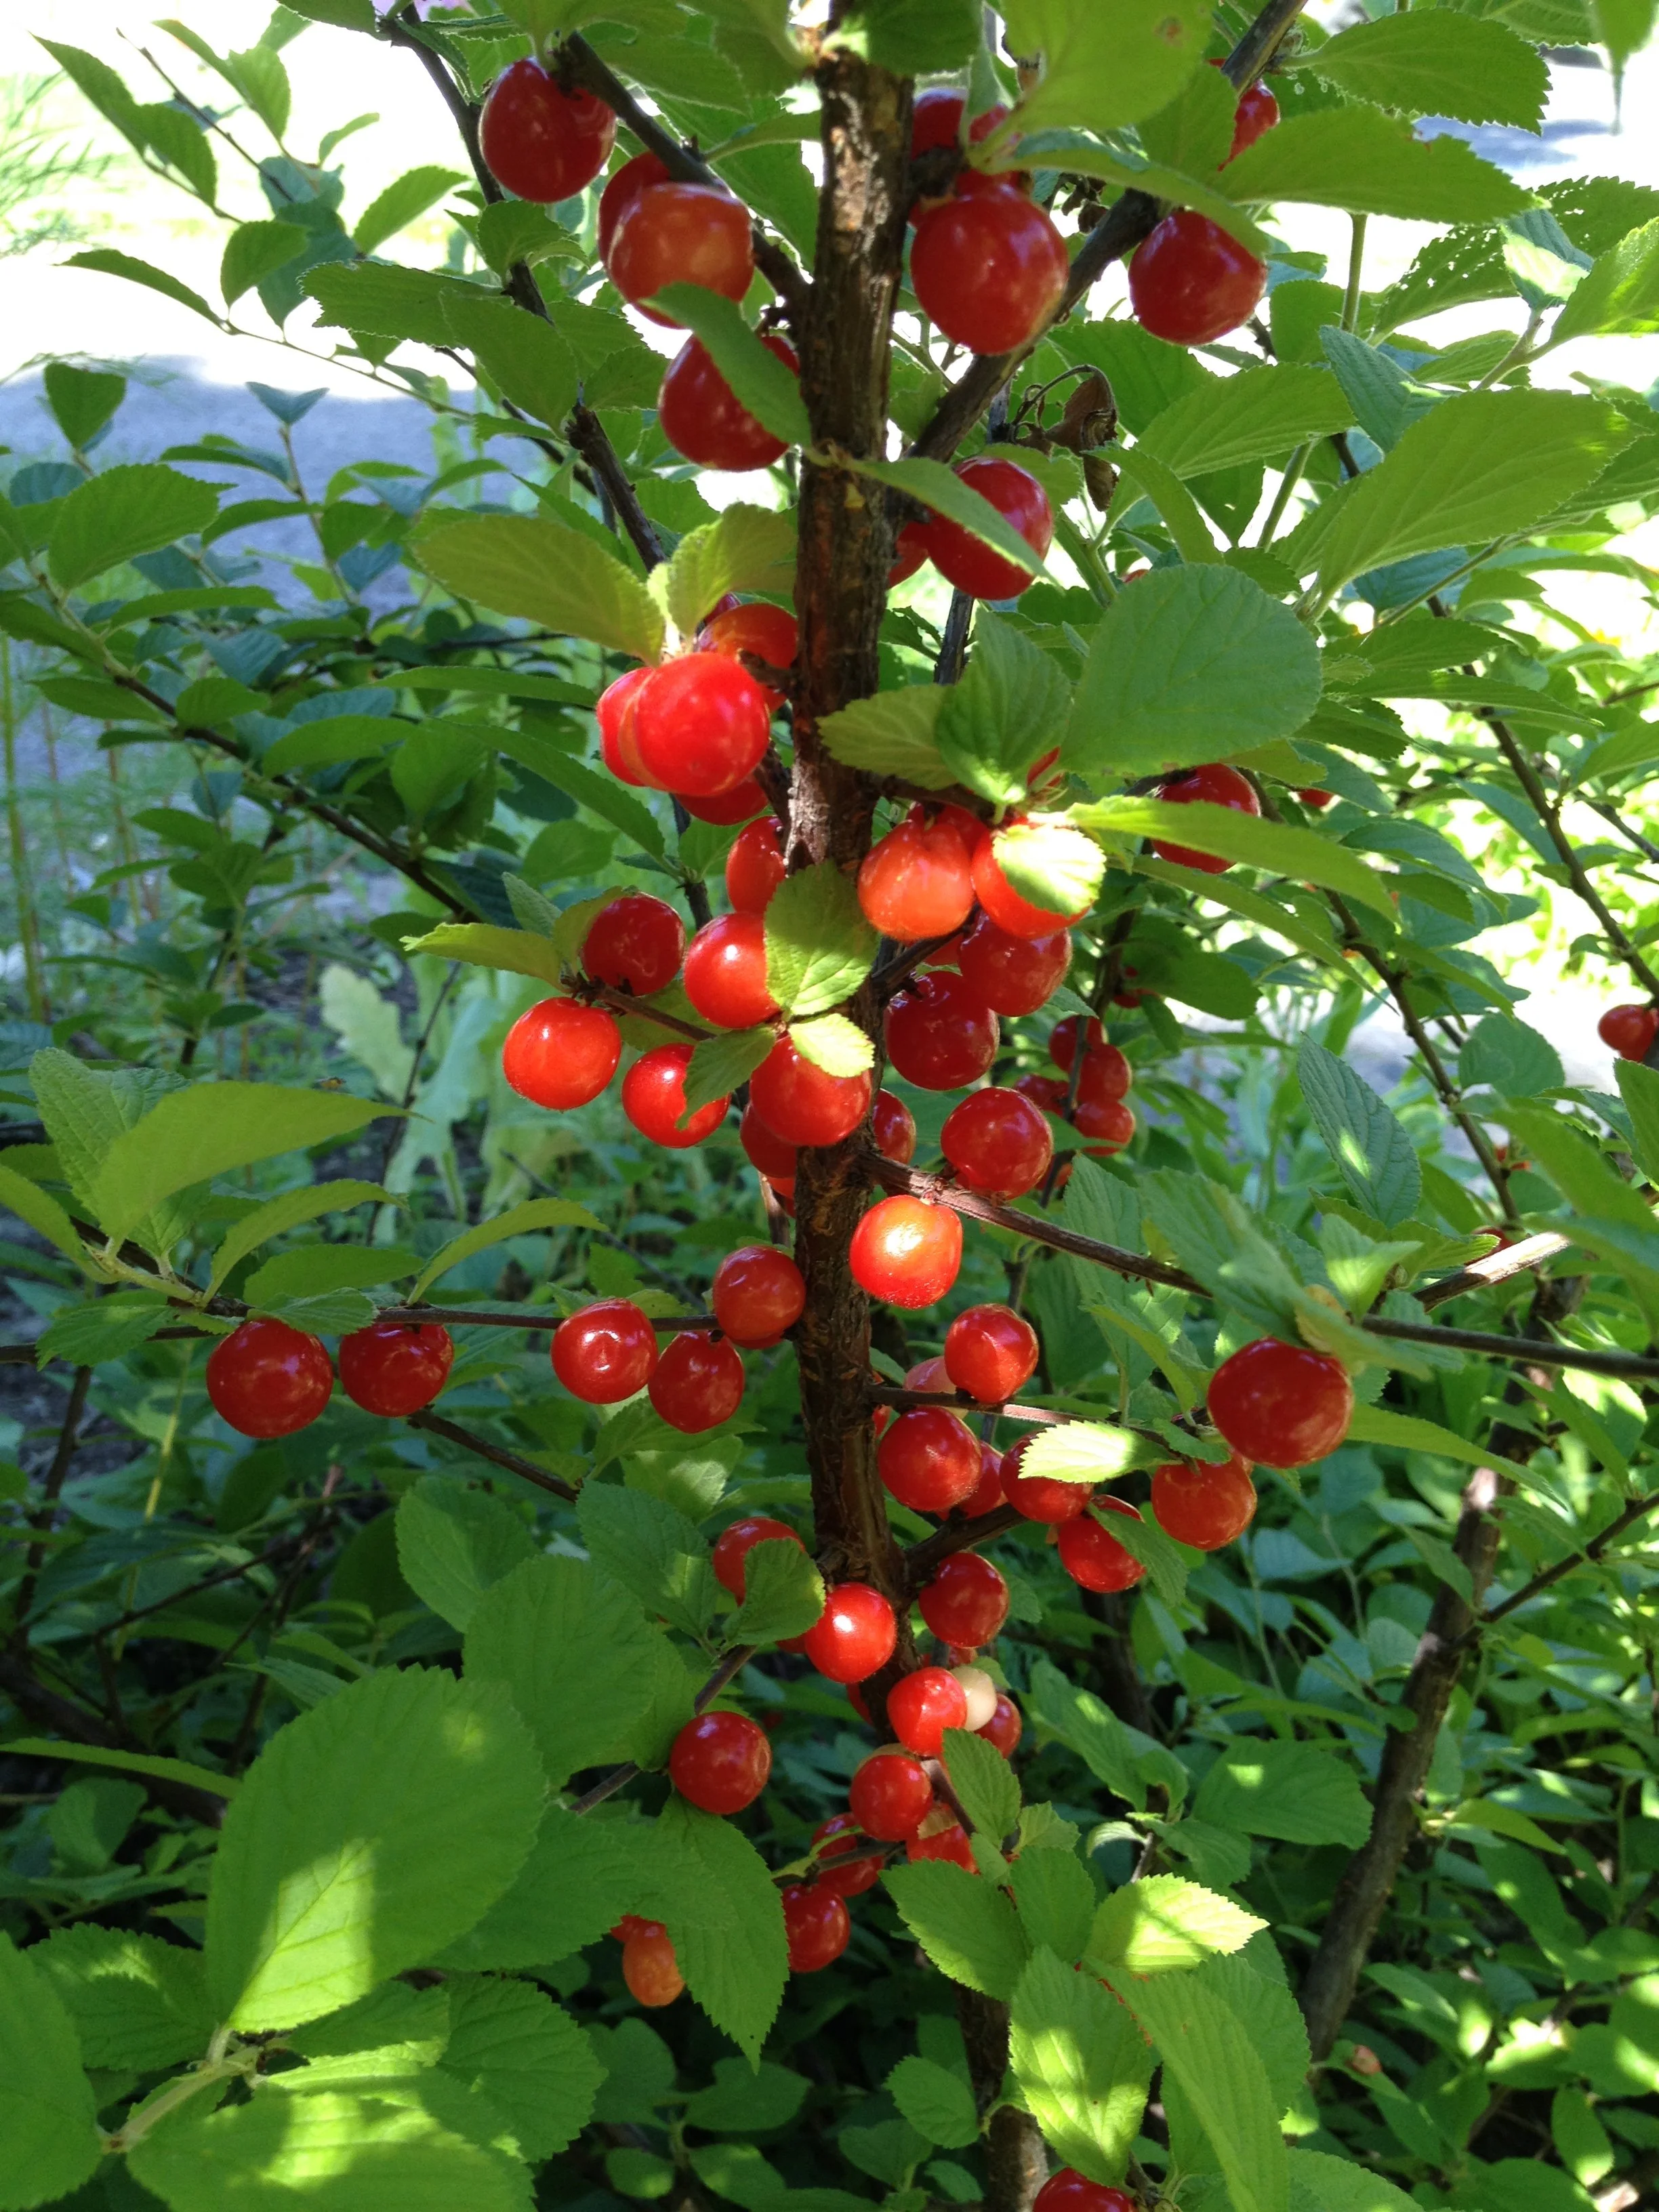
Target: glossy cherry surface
942,1836
928,1458
816,1924
650,1968
936,120
701,416
560,1055
635,944
757,1293
677,234
396,1367
1257,112
988,267
543,143
800,1103
613,712
922,1705
997,1141
1213,785
266,1379
702,724
770,633
939,1033
894,1128
733,1544
1006,907
698,1382
855,1636
1105,1074
889,1795
840,1836
967,1601
1005,1728
621,189
990,1351
1092,1556
1106,1124
907,1252
1067,2191
720,1761
915,882
726,972
1191,282
606,1352
767,1151
754,866
1040,1496
973,566
741,803
1281,1404
1203,1504
1012,974
653,1099
1630,1031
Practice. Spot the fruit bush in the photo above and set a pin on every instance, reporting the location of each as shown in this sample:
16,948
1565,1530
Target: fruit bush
1073,1623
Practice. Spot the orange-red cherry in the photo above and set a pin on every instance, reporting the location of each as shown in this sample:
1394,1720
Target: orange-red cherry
395,1367
929,1459
940,1034
973,566
915,882
733,1544
1215,784
758,1292
720,1761
697,1382
1190,282
1630,1031
635,944
1202,1505
726,972
1281,1404
997,1142
1006,907
988,267
1092,1556
839,1837
990,1351
1012,974
606,1352
967,1601
676,233
855,1636
754,866
1005,1728
653,1099
702,418
650,1968
542,143
1040,1496
889,1795
907,1252
802,1104
621,190
560,1055
921,1705
817,1924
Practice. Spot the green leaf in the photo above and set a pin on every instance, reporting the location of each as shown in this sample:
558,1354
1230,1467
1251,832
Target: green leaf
745,2100
524,356
346,15
1052,864
988,1793
768,388
748,548
1087,1452
718,1064
937,2103
49,2138
1056,1901
1362,1135
1206,2048
819,948
131,508
1005,714
582,1874
1216,1237
964,1923
1166,1562
278,1214
782,1594
916,38
1082,2068
133,2000
455,1542
522,1220
1087,1727
600,794
387,301
651,1550
527,565
1195,131
398,205
1437,63
43,1214
835,1044
1620,293
1106,67
309,1270
1370,163
892,734
1380,1424
105,261
485,944
1257,416
1639,1087
1335,2184
82,400
105,1328
576,1653
1303,855
252,251
126,1762
1510,1056
516,2046
726,1925
1156,1926
1192,664
942,490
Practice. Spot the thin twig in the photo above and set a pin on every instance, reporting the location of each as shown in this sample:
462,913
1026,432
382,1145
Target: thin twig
496,1455
1592,1552
46,1512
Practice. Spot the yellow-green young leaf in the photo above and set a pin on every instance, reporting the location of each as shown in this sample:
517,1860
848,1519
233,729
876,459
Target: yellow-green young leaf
1370,163
1620,292
134,2000
1206,2047
486,944
522,1220
43,1214
1053,865
524,564
369,1833
1291,1790
49,2138
1155,1926
252,251
768,388
1082,2066
1105,66
397,206
964,1923
942,490
105,261
782,1594
1336,2184
1087,1452
723,1917
1257,416
524,357
891,734
278,1214
819,948
1302,854
133,508
1437,63
836,1045
748,549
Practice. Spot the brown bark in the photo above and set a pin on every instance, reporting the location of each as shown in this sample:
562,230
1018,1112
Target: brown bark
1016,2159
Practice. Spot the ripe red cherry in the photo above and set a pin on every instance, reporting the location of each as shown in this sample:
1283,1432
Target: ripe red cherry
1062,1039
1106,1074
907,1252
971,565
1005,906
733,1545
677,234
1040,1496
1215,785
988,1495
621,190
1280,1405
997,1142
767,1151
929,1459
1067,2191
698,1383
1108,1123
1257,111
701,416
889,1795
266,1379
940,1032
988,267
1048,1091
1012,974
1315,797
726,972
754,866
942,1836
702,724
800,1103
540,141
927,1374
395,1367
1092,1556
740,804
758,1292
650,1968
1191,282
922,1705
771,634
560,1055
1630,1031
630,1925
915,882
604,1352
967,1601
990,1351
936,120
816,1924
635,943
614,713
836,1838
720,1761
908,554
1005,1728
1203,1505
853,1636
653,1099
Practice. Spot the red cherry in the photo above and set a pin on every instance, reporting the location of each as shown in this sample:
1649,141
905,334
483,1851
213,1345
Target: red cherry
266,1379
635,943
698,1383
942,1836
771,634
1012,974
816,1924
621,190
997,1141
1191,282
630,1925
929,1459
990,1352
613,712
1108,1122
988,1495
800,1103
1216,785
560,1055
702,724
1048,1091
1315,797
1040,1496
967,1601
940,1032
653,1099
1280,1405
936,120
855,1636
539,141
1092,1556
1004,905
395,1367
733,1545
839,1835
754,866
677,234
1257,111
915,882
1106,1074
726,972
758,1292
922,1705
894,1128
1005,1728
906,1251
908,554
650,1968
701,416
988,268
1630,1031
929,1375
767,1151
971,565
1203,1505
1067,2191
1062,1039
604,1352
889,1795
740,804
720,1761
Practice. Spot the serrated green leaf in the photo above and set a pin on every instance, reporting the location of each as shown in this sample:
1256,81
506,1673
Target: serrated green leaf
1278,848
718,1064
580,1877
105,1328
455,1542
1291,1790
131,508
529,2059
522,1220
1638,1086
105,261
942,490
782,1594
1370,163
1087,1452
1087,1727
1257,416
527,565
310,1270
252,251
964,1923
48,2116
133,2000
892,734
43,1214
989,1792
1620,293
1082,2068
1055,1898
819,948
937,2103
397,206
726,1925
1362,1135
748,548
1206,2047
1107,67
1437,63
1511,1056
525,357
833,1043
277,1215
1005,713
646,1546
766,387
1164,1923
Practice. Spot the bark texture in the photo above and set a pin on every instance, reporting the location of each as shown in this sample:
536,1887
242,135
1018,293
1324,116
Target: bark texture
1016,2158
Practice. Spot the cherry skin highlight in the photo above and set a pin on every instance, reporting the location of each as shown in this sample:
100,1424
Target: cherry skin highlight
635,944
758,1292
1067,2191
720,1761
733,1544
1630,1031
922,1705
939,1033
889,1795
967,1601
1092,1556
726,972
676,233
767,1151
1191,282
997,1142
1040,1496
621,190
604,1352
929,1459
560,1055
915,882
1012,974
266,1379
990,1351
698,1382
702,417
702,724
539,142
754,866
1106,1075
395,1367
988,1496
841,1836
855,1636
1281,1404
800,1103
613,712
1215,785
907,1252
650,1968
818,1924
971,565
1005,1728
1203,1505
988,267
653,1099
1004,905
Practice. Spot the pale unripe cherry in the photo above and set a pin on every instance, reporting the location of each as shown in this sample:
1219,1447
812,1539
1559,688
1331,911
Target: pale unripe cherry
980,1693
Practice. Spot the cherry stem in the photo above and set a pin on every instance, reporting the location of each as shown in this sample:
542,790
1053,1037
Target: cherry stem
497,1455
